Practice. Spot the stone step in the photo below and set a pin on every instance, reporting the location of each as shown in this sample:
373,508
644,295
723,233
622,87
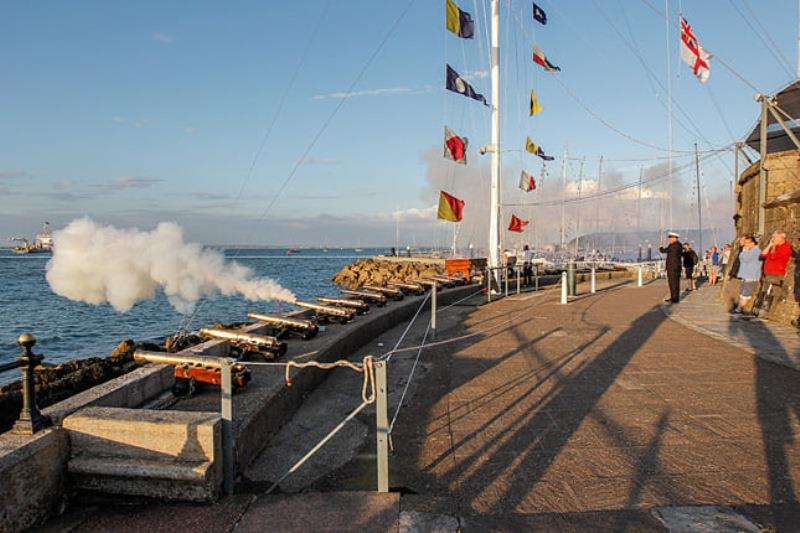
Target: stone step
172,455
144,434
192,481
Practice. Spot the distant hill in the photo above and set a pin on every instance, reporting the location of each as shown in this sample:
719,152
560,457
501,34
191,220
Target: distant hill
632,240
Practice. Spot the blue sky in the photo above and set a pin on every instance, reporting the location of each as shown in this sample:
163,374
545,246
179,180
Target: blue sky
134,113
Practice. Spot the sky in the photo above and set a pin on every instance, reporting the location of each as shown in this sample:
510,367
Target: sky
321,122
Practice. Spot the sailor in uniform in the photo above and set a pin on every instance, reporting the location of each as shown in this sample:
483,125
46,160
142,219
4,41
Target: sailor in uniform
673,266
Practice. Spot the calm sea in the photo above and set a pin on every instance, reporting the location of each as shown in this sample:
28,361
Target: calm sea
68,330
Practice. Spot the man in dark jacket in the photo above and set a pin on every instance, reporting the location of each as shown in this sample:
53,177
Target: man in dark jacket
674,250
690,261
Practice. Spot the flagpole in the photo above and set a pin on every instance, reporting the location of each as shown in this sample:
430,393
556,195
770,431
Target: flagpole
494,203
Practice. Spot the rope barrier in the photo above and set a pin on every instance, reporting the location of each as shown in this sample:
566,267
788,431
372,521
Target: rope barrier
367,368
408,381
388,355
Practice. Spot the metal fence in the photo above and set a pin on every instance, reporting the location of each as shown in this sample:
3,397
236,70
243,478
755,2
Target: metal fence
30,418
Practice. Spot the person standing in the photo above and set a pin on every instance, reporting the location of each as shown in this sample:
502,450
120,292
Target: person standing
713,267
690,259
725,260
527,265
749,271
673,251
776,258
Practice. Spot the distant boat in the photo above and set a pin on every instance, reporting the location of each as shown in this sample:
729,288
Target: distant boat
358,249
291,251
42,244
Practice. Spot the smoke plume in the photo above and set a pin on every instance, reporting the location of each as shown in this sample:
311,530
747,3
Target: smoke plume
96,264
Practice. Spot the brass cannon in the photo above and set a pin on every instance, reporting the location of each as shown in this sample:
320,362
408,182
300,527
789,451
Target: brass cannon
325,312
374,297
247,341
357,305
413,288
397,294
199,368
284,325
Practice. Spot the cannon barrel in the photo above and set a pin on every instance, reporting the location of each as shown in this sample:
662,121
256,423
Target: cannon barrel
409,287
427,282
359,306
305,327
201,368
376,297
327,310
397,294
249,341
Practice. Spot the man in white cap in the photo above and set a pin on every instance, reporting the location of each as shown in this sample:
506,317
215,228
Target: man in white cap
673,266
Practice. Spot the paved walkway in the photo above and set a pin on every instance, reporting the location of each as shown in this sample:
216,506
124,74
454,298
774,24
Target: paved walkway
703,311
603,414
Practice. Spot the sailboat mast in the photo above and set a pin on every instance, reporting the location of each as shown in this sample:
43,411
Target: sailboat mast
494,203
563,199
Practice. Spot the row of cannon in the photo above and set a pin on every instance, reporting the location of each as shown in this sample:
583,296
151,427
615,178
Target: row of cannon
207,369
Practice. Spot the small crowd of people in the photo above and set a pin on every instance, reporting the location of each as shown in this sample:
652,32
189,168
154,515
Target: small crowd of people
746,261
510,263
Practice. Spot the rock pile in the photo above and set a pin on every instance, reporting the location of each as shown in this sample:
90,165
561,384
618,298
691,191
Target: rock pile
380,273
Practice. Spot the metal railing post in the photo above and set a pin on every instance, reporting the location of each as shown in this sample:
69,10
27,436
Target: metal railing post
433,309
639,277
382,426
593,281
519,270
505,276
563,287
536,280
226,397
488,284
30,419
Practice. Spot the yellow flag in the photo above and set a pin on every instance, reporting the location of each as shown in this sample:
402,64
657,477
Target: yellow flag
531,146
535,107
453,17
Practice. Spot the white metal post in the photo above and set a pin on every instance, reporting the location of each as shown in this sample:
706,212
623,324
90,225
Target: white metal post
505,276
433,309
593,282
519,270
226,401
639,277
563,287
382,426
494,202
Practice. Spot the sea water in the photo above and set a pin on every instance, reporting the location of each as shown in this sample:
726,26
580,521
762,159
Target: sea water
70,330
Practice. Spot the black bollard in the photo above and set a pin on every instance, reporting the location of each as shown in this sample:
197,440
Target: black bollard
31,419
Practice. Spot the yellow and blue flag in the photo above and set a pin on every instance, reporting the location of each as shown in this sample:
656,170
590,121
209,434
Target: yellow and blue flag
459,22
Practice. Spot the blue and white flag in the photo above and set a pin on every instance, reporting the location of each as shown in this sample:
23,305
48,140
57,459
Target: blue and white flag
456,84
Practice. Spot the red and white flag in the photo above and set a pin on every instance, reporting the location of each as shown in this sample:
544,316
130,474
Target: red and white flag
455,147
693,54
526,182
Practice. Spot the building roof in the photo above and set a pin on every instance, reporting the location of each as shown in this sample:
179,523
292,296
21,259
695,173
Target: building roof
788,99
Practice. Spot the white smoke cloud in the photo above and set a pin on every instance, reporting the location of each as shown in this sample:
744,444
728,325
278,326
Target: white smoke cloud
97,264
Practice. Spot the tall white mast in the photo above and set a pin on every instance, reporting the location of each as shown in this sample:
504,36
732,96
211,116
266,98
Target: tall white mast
564,199
494,202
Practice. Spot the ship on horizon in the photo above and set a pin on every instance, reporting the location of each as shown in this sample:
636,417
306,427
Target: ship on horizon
42,244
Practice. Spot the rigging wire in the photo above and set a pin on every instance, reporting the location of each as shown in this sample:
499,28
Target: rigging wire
773,50
325,125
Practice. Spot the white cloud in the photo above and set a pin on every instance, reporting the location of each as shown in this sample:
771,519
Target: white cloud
163,38
133,182
322,161
364,92
12,174
475,75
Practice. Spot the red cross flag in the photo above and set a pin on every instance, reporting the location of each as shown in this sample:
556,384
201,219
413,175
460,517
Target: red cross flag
693,54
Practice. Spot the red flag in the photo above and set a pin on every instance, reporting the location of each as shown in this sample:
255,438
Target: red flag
455,147
517,224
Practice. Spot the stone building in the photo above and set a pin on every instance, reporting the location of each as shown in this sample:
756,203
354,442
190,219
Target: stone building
782,205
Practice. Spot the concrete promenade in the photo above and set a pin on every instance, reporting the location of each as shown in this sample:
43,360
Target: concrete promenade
603,414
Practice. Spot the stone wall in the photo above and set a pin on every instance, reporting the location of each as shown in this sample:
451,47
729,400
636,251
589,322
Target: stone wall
782,212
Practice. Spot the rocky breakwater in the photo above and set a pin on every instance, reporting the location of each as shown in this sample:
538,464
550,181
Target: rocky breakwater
381,272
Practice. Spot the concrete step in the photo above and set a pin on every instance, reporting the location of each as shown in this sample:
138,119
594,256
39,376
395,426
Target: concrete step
193,472
144,434
173,455
185,481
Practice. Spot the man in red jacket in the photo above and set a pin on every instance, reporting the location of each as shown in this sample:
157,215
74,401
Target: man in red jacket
776,258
